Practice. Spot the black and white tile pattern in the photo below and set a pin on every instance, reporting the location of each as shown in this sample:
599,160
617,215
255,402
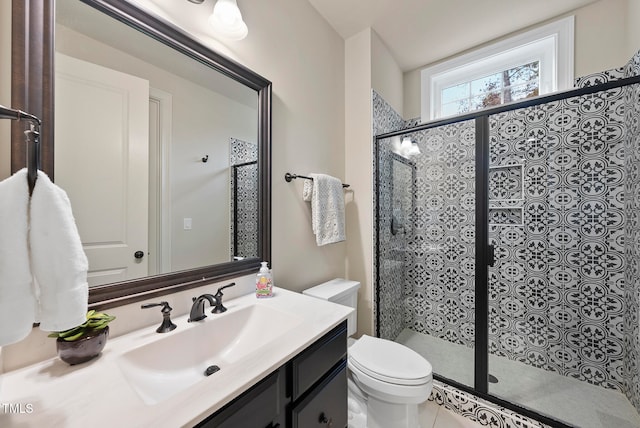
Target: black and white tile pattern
565,293
631,296
245,191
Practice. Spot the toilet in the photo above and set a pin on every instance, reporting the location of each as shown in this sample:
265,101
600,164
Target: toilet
386,380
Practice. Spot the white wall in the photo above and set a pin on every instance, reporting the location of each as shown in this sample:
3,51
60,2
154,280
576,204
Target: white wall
601,43
359,165
633,27
601,36
386,76
290,44
368,64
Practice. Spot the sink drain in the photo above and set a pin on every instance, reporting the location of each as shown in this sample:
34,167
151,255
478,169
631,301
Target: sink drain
211,370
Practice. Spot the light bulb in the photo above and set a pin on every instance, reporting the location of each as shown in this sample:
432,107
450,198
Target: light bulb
227,21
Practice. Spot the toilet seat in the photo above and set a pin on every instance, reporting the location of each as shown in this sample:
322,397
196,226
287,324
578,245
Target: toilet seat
389,362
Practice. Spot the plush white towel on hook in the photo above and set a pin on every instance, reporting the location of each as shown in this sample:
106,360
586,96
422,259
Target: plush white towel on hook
43,268
17,298
58,261
327,209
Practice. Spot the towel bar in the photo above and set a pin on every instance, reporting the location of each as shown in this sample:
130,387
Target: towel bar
288,177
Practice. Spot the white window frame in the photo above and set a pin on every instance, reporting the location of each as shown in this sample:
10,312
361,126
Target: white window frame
551,44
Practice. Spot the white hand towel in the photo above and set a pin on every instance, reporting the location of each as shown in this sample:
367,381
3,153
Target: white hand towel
17,300
307,190
327,209
58,261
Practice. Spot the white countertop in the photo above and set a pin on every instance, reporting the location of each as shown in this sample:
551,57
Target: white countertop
96,394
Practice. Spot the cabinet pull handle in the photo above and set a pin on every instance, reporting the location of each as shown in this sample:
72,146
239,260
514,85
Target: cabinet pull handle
323,420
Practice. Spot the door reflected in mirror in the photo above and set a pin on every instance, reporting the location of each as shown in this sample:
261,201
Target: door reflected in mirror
157,152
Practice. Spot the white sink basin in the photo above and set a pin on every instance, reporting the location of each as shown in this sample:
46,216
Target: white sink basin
173,363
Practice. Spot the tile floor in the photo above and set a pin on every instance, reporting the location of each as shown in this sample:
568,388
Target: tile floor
575,402
434,416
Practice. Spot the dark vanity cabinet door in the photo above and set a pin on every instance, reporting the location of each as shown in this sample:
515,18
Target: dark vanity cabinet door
260,407
317,360
308,391
326,405
319,383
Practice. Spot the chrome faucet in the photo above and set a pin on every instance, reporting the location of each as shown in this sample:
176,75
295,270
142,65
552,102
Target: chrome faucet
197,309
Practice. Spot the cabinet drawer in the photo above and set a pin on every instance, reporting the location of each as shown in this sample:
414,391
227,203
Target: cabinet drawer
259,407
309,367
326,405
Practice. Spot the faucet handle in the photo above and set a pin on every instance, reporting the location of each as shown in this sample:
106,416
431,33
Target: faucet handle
219,307
219,292
167,325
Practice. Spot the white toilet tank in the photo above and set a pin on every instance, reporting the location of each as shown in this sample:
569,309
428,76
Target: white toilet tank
341,291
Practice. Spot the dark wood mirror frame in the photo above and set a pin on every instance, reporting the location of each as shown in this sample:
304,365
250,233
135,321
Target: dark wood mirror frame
32,85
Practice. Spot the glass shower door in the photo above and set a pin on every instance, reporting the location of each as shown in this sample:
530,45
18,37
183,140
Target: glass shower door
556,293
426,240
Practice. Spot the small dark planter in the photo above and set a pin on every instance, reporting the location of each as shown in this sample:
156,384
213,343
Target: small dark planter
83,349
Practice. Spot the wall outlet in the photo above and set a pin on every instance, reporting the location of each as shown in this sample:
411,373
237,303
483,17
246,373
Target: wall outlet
187,223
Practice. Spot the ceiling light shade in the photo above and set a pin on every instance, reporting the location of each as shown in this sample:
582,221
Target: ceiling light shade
227,21
408,147
405,146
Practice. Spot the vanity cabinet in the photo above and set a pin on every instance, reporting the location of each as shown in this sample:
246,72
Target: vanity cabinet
308,391
260,407
326,404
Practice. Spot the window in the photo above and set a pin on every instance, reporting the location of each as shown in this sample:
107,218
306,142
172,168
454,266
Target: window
534,63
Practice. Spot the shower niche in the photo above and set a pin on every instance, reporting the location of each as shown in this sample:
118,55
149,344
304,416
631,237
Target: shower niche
506,195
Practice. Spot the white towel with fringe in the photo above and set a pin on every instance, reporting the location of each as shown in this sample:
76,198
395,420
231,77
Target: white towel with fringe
327,208
43,268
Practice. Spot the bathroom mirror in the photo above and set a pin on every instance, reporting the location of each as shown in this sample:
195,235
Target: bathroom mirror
192,152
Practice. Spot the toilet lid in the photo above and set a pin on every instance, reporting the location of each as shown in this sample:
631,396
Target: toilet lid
389,361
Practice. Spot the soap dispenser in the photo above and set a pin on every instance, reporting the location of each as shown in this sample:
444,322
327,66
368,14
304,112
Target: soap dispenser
264,283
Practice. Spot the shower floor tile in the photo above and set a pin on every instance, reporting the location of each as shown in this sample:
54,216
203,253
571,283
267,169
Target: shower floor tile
572,401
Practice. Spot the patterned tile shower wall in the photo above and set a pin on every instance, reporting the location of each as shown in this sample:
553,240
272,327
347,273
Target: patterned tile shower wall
245,192
441,301
557,290
631,362
565,294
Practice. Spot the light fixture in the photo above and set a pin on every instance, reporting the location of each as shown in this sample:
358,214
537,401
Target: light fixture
226,20
408,147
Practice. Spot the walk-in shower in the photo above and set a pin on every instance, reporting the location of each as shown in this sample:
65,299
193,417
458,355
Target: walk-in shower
508,249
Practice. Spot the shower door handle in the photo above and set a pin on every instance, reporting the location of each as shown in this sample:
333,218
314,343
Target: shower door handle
491,255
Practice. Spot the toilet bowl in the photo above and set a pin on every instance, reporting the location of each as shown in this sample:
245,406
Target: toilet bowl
386,380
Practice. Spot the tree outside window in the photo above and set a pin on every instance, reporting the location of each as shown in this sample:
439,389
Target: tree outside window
498,88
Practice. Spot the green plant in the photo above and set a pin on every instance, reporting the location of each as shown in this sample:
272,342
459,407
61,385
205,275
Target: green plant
95,321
